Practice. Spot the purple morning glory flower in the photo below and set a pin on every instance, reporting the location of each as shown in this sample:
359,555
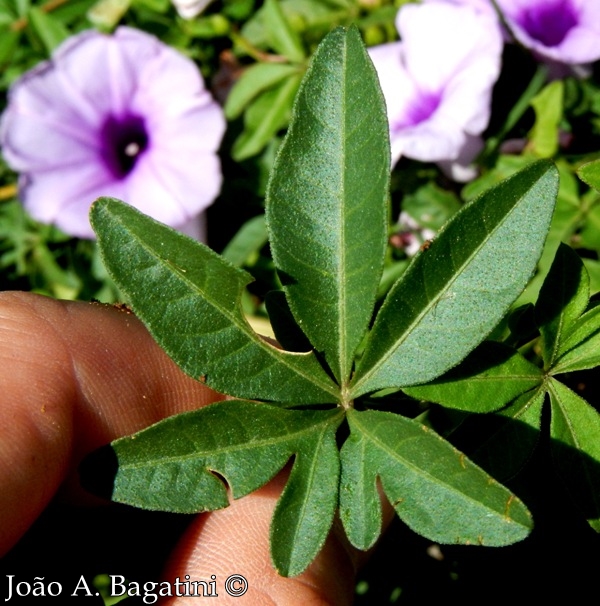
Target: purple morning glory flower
437,83
559,31
563,32
123,116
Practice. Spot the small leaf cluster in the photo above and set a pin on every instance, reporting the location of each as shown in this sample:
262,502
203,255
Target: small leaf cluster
547,343
318,402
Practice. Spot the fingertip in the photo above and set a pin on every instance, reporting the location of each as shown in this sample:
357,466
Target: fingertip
74,377
231,546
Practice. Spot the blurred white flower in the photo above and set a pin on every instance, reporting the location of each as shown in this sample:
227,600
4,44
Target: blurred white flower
188,9
437,82
563,32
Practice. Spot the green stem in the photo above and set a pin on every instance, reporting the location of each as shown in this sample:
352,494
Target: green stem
255,53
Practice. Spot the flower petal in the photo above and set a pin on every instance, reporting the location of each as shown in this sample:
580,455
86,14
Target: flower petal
123,116
63,197
563,31
441,40
438,95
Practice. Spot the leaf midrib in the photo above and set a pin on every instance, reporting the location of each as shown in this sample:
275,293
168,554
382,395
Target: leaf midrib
559,403
311,475
419,471
238,320
364,378
250,445
499,378
342,301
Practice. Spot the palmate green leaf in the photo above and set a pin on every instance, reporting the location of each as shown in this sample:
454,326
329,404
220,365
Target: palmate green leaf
490,377
172,466
169,466
562,299
432,486
457,290
326,200
189,299
575,431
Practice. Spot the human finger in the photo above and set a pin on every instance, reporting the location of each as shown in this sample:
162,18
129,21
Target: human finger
74,376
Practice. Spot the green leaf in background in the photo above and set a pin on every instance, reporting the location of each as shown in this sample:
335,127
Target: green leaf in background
50,31
250,238
282,38
506,166
490,377
256,79
590,231
9,42
431,206
457,290
432,486
563,298
548,107
593,269
590,173
267,114
575,428
189,299
7,15
329,243
317,17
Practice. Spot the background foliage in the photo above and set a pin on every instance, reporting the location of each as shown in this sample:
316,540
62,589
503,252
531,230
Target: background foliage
254,55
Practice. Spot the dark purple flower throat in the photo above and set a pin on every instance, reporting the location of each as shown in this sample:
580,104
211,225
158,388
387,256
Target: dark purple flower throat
549,22
421,108
123,140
